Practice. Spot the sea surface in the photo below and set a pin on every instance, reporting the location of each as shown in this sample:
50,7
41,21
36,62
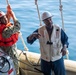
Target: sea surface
27,13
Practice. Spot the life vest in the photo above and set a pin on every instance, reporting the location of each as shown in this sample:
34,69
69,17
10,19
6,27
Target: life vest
7,41
50,51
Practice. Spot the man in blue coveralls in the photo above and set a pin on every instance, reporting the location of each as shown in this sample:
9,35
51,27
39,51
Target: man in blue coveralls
53,43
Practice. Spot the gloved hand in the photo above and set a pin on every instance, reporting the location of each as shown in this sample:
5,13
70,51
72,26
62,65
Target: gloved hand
10,14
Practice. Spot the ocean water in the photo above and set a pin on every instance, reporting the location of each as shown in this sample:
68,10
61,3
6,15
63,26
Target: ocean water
27,14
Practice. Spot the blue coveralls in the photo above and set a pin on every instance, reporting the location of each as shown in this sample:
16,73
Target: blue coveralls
58,65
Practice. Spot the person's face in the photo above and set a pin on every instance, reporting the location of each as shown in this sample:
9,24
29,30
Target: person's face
48,22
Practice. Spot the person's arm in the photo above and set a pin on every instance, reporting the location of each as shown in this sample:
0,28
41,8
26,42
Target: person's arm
31,38
64,40
11,29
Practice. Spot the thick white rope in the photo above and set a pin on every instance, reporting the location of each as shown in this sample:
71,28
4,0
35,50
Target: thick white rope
67,52
25,47
61,14
38,12
20,34
7,2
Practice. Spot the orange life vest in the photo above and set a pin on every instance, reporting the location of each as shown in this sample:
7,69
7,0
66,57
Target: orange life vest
7,41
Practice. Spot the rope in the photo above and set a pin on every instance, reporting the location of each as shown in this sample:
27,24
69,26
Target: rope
38,70
61,14
38,12
36,64
25,47
7,2
67,52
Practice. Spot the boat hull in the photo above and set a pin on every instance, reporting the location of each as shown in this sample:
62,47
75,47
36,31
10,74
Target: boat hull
29,63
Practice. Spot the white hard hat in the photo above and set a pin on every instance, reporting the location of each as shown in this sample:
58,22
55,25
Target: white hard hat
2,14
46,15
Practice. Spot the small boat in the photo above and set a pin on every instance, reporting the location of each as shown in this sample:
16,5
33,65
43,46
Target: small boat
29,63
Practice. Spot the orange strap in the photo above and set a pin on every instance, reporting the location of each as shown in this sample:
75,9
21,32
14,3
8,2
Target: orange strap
8,24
